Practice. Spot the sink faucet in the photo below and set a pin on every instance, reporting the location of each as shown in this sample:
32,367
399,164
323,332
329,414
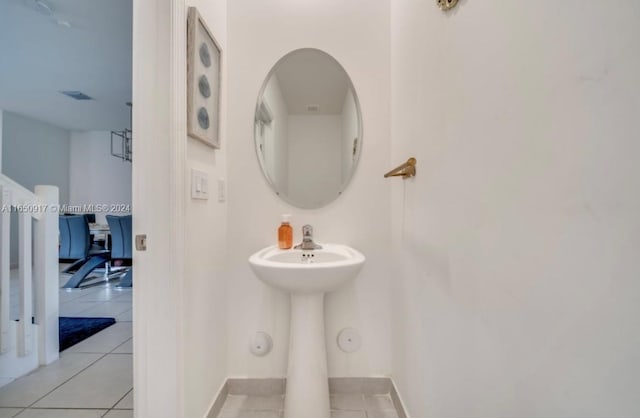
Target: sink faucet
307,240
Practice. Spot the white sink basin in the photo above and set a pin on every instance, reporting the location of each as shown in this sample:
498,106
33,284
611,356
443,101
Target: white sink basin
307,275
307,271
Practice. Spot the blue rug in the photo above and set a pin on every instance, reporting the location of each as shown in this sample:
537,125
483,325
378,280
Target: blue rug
74,330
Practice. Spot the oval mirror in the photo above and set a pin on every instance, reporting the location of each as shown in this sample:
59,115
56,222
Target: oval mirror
308,130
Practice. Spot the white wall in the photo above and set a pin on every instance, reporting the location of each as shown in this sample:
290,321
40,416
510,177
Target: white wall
204,287
260,33
33,153
97,178
517,242
314,158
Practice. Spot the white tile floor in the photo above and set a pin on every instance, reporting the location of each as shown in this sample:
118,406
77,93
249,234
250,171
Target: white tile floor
91,379
342,406
95,377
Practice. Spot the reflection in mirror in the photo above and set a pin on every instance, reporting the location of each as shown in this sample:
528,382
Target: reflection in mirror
307,128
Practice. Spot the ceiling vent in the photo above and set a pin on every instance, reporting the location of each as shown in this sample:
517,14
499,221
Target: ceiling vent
41,6
313,108
77,95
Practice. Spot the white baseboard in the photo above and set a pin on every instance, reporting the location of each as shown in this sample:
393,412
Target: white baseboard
218,400
398,403
271,386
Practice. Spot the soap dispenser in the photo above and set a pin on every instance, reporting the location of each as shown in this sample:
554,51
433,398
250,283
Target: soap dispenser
285,233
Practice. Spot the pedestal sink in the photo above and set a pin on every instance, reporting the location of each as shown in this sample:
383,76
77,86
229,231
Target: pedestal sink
307,276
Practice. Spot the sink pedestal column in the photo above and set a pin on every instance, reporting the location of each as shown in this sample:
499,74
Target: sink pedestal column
307,378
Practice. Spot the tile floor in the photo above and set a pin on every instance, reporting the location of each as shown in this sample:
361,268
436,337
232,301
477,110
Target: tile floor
342,406
91,379
95,377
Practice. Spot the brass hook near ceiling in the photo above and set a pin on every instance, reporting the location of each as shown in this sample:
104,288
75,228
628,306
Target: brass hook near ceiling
446,4
407,169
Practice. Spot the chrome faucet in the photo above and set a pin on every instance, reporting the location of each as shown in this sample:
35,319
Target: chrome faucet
307,240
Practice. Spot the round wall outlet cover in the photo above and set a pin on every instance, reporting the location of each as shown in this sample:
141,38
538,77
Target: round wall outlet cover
349,340
261,344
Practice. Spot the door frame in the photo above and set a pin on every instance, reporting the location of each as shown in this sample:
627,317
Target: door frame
159,204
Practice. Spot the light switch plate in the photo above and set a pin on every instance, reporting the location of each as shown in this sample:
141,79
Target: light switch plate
199,184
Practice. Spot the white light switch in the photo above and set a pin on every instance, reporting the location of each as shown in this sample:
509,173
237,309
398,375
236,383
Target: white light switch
199,185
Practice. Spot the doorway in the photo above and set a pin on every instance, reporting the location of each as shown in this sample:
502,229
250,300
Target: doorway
63,90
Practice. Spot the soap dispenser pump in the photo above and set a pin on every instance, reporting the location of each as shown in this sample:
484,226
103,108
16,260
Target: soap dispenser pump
285,233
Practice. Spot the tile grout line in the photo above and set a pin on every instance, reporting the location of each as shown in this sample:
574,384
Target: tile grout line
120,345
104,303
84,310
112,350
52,390
108,409
99,303
31,406
363,411
19,412
64,408
79,293
74,300
120,400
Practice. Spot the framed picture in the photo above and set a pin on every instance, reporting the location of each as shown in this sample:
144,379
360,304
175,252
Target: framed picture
203,81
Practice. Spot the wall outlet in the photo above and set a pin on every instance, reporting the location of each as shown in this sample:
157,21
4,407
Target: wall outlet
261,344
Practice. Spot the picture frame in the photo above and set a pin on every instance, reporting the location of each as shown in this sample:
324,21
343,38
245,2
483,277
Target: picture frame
203,81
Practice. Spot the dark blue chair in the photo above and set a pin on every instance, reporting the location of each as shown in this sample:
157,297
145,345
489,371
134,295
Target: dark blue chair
121,245
75,245
75,240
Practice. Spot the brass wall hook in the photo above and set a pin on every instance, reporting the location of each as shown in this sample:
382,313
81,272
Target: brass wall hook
405,170
446,4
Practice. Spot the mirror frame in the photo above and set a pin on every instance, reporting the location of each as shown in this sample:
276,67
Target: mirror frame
358,155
